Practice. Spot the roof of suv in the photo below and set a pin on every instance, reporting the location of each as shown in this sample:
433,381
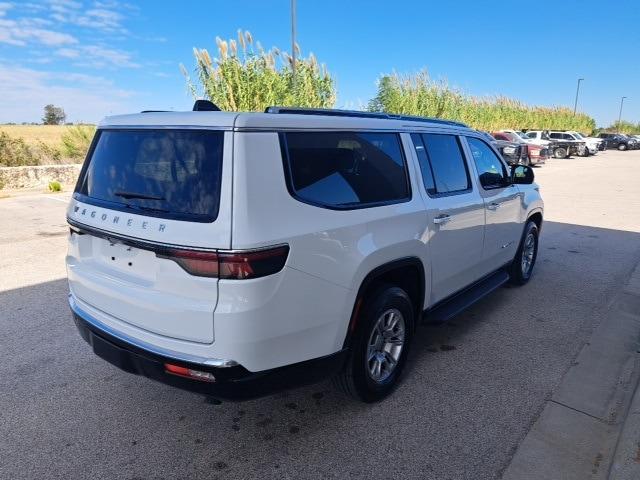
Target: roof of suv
271,121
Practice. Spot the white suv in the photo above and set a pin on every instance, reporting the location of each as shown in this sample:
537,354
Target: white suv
235,254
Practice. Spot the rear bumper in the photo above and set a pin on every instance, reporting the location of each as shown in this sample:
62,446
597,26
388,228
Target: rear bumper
232,382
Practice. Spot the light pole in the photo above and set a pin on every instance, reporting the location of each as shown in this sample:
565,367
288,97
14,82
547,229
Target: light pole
620,114
575,105
293,41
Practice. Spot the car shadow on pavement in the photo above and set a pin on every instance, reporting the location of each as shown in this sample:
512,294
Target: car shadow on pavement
471,390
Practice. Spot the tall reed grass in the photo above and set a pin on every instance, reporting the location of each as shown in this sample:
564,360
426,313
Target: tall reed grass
420,95
624,127
245,77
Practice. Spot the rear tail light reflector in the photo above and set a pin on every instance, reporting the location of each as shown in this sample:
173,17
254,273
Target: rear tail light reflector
189,373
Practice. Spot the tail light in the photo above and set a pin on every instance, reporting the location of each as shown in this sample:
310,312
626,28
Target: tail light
236,265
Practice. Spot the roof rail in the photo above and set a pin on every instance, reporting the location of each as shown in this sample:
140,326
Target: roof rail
357,113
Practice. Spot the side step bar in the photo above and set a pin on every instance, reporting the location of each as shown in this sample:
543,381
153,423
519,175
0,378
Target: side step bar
462,300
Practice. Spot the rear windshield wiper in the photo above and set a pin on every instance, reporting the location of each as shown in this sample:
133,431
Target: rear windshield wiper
142,196
138,207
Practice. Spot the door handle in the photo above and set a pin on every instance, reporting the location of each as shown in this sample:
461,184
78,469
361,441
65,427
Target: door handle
441,219
493,206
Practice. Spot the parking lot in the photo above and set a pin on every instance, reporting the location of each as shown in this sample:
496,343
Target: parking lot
472,391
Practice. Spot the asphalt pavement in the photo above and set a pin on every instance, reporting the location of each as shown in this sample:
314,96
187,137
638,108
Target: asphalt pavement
472,391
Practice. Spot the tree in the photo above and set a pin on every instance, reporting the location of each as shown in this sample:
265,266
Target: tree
53,115
245,77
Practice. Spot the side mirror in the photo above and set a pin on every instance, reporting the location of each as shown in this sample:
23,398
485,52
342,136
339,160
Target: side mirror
521,174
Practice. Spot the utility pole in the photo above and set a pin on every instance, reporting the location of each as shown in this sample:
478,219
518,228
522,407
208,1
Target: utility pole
620,114
575,105
293,41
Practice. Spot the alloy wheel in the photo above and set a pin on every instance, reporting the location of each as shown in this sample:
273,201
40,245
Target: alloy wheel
385,345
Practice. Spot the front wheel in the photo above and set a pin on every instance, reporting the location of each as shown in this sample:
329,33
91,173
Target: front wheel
380,345
622,147
522,265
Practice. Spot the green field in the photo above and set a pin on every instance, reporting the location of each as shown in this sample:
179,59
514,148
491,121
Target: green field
43,144
32,134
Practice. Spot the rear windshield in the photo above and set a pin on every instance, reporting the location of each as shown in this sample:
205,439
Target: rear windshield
164,173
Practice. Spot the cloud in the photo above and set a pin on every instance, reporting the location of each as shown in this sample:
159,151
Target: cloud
97,56
20,32
104,16
67,53
4,6
84,97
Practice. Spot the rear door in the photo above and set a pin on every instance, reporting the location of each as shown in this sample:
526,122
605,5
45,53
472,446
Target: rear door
146,198
455,214
502,203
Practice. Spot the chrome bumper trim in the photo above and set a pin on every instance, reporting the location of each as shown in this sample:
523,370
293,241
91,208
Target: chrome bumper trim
170,354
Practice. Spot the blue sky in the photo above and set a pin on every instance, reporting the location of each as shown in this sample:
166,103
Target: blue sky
101,57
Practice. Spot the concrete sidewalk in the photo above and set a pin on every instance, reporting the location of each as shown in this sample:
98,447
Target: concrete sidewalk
590,427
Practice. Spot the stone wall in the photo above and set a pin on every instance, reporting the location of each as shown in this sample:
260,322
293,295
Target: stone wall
38,176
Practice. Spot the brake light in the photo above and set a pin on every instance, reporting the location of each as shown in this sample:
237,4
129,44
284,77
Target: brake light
236,265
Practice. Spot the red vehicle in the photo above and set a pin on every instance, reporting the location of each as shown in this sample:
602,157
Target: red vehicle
536,153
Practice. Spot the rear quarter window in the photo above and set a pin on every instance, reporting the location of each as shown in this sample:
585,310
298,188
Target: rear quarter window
345,170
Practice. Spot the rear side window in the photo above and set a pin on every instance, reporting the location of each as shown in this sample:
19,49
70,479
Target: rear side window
164,173
345,170
447,164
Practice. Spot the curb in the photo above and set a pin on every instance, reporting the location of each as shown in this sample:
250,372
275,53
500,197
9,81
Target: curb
580,430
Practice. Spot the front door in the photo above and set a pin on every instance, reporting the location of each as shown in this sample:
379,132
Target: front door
502,202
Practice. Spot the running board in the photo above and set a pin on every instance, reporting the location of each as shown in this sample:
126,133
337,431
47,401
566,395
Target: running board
462,300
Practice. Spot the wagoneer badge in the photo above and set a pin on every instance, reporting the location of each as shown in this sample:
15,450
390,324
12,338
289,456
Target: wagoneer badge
115,219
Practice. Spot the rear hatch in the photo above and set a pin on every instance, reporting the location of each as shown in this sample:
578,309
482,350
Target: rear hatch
151,207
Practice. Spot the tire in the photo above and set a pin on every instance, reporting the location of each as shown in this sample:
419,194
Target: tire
560,153
622,147
584,152
368,347
519,272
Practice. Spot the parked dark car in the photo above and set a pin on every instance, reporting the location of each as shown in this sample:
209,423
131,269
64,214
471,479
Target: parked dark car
615,140
634,144
512,152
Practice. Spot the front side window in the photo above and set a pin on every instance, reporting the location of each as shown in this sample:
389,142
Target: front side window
345,170
491,170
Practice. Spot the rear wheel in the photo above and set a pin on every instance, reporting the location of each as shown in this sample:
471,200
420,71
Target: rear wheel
525,259
380,345
560,153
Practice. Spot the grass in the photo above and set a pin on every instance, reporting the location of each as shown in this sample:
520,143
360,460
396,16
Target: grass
55,187
50,135
43,144
420,95
245,77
